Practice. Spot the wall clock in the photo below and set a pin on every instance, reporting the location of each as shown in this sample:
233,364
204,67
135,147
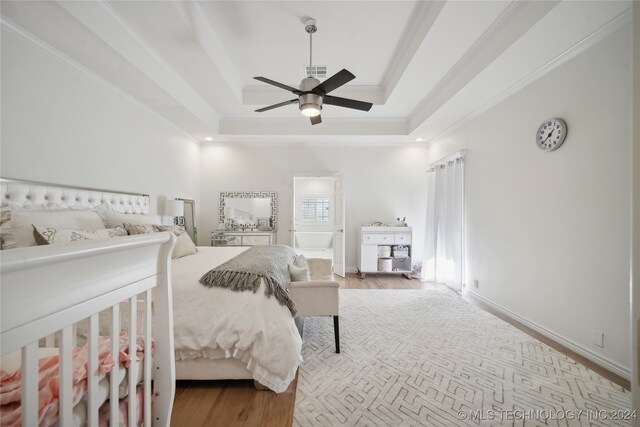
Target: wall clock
551,134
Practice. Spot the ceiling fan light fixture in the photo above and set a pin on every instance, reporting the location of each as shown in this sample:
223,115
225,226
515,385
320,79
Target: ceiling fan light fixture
310,104
310,110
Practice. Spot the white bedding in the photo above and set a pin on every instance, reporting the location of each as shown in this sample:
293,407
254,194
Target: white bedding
217,323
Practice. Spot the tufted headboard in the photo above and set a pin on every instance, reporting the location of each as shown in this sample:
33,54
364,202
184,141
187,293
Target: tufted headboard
27,193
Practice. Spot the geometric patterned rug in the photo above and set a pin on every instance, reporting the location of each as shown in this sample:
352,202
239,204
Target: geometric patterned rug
429,358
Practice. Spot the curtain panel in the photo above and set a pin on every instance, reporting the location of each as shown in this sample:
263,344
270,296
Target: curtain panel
444,261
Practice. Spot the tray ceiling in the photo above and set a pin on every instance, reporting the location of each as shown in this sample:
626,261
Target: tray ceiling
426,66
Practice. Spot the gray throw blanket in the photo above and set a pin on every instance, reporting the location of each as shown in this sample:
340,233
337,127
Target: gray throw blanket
244,271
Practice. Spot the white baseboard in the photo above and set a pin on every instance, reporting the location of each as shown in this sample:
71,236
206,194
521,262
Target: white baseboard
604,362
351,270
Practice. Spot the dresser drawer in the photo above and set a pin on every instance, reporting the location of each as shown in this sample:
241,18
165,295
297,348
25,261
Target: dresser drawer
255,240
403,239
377,239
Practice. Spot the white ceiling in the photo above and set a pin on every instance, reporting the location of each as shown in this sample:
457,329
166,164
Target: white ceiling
426,66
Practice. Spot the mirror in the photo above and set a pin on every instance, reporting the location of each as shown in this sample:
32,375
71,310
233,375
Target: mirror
249,210
188,220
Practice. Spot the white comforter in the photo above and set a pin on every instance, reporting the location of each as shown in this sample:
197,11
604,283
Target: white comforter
218,323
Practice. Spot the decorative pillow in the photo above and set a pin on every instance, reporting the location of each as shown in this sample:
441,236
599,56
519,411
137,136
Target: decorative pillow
299,274
51,235
21,229
6,234
134,229
301,262
115,218
184,245
175,229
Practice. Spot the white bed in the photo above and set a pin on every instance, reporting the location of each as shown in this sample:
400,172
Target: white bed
219,334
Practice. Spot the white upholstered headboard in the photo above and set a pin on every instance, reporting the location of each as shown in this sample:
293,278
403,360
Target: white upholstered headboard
27,193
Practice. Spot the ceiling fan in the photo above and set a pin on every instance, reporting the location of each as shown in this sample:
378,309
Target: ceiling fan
312,94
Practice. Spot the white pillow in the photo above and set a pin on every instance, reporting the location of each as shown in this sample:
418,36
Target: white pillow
22,221
301,262
299,274
52,235
116,219
184,245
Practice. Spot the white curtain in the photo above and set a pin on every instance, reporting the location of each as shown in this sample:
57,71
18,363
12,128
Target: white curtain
444,261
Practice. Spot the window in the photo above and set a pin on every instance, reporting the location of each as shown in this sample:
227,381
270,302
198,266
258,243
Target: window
315,209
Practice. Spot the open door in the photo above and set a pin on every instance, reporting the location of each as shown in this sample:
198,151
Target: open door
294,212
338,228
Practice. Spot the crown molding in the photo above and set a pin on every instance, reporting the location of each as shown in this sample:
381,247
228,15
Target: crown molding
195,17
317,143
575,50
267,95
101,19
21,33
424,16
300,126
514,21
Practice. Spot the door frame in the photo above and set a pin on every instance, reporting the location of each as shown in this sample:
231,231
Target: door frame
292,177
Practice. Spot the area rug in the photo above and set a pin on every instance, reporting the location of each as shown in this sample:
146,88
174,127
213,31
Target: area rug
429,358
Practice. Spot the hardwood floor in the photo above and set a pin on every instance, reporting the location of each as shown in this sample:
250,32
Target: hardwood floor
231,403
239,403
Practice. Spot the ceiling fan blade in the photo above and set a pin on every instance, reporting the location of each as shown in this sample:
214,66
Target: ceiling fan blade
334,82
282,104
316,119
280,85
347,103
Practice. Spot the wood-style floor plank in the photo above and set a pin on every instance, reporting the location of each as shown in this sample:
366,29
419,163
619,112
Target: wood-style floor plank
239,403
231,403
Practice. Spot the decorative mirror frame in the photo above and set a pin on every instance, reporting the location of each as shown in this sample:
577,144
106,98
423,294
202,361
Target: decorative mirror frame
273,195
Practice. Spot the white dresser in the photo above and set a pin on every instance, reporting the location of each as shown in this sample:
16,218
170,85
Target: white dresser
243,238
384,250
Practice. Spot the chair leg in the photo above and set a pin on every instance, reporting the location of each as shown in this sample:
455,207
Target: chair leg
336,332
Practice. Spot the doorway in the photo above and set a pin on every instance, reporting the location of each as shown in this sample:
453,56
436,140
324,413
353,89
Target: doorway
318,218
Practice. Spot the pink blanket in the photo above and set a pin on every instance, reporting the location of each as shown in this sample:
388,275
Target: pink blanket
48,385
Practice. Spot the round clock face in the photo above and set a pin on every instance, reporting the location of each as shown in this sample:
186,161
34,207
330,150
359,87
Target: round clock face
551,134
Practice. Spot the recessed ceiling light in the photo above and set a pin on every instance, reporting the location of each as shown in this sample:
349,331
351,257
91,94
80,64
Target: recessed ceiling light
418,139
208,138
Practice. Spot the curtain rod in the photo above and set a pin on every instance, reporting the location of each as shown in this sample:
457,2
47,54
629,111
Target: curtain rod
451,157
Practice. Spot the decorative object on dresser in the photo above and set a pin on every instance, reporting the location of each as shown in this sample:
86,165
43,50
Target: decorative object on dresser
243,238
384,249
248,210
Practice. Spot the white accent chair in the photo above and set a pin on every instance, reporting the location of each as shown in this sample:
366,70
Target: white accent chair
319,296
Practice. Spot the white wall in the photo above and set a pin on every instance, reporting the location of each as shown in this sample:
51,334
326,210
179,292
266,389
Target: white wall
381,183
548,233
60,125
